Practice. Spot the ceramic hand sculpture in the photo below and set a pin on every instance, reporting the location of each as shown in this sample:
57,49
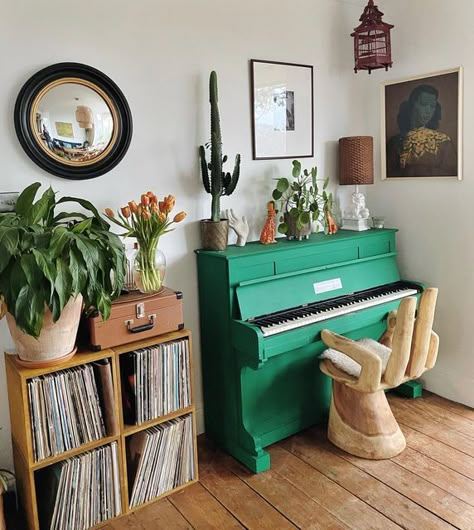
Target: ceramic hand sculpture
268,231
357,210
239,226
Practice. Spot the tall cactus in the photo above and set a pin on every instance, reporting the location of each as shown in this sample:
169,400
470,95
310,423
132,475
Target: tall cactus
218,183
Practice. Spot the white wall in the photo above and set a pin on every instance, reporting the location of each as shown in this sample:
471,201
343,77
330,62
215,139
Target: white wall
435,217
160,53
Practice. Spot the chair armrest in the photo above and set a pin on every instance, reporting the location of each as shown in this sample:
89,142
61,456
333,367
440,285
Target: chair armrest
371,364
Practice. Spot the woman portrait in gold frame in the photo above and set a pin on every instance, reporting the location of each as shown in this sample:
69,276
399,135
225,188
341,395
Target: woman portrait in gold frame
421,127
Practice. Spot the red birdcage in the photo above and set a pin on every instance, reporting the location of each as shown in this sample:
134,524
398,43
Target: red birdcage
372,47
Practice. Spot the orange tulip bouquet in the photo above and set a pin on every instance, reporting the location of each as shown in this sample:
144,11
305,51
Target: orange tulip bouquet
147,222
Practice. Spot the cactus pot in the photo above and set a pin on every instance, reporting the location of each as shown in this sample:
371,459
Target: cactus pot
214,234
293,231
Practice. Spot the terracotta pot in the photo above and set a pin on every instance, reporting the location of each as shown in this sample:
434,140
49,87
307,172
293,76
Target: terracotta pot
214,234
56,340
293,231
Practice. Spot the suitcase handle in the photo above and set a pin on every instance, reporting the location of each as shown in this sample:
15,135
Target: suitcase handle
145,327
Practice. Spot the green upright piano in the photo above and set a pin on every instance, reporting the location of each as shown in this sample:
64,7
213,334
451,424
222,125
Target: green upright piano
262,309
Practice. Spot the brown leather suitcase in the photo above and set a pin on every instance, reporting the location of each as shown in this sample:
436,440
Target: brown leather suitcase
136,316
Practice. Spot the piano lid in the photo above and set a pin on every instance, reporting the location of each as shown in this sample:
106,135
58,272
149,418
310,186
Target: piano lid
284,291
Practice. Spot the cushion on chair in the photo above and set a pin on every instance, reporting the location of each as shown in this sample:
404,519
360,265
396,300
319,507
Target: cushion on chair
346,364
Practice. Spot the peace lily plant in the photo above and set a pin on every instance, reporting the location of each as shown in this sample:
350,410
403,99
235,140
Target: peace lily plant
50,259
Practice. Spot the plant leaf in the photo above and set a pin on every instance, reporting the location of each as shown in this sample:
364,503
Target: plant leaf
78,270
277,195
4,257
294,213
34,275
82,226
10,239
90,255
43,210
282,185
305,218
87,205
25,200
63,282
59,239
46,265
29,311
296,168
69,215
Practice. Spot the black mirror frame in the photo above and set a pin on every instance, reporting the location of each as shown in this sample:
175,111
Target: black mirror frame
26,136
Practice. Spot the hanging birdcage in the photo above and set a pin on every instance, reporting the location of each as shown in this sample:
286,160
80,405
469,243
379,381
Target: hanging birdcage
372,48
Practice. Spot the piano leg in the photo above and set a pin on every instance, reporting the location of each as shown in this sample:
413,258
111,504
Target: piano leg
257,461
287,394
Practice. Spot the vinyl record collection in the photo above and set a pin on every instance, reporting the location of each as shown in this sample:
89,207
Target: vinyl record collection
80,492
161,458
156,381
65,411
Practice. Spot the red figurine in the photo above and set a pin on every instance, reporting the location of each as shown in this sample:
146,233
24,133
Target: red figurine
267,235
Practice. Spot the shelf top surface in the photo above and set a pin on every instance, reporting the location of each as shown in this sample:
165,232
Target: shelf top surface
282,244
87,356
79,358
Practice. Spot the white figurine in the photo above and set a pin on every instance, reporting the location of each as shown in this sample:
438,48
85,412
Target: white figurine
357,210
239,226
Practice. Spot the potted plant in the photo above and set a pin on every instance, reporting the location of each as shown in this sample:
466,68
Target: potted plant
217,182
301,203
147,222
53,265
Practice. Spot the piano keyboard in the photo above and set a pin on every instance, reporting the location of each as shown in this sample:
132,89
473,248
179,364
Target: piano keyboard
281,321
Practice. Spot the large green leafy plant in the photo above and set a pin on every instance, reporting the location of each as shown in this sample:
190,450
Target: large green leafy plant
301,198
48,257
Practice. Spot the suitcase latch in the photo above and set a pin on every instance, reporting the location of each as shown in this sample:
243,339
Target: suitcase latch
140,310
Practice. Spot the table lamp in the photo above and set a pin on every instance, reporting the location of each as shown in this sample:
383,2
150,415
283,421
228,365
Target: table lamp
356,168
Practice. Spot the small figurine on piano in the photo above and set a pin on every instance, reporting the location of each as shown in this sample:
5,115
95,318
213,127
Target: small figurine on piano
267,235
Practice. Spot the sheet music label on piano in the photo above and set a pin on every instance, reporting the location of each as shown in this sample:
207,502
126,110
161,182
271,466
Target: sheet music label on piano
262,310
327,285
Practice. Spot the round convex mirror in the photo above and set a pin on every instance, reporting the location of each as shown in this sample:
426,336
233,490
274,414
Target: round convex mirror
73,121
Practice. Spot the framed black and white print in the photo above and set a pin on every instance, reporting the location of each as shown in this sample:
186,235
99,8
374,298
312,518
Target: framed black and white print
282,110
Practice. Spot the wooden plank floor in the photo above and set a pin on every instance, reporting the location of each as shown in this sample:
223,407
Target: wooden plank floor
314,485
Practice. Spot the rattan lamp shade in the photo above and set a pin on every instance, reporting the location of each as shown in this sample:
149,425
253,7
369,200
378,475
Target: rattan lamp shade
356,160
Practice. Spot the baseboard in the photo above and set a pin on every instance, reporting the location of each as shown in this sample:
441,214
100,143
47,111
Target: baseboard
450,385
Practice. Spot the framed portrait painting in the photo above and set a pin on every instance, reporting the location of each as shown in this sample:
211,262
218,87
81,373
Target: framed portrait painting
282,110
422,126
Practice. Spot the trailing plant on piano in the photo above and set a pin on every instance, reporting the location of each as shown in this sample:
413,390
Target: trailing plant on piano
216,181
303,200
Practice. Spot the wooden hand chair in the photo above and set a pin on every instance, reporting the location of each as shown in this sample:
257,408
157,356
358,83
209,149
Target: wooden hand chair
360,420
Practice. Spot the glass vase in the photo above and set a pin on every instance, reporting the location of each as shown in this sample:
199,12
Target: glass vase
149,268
